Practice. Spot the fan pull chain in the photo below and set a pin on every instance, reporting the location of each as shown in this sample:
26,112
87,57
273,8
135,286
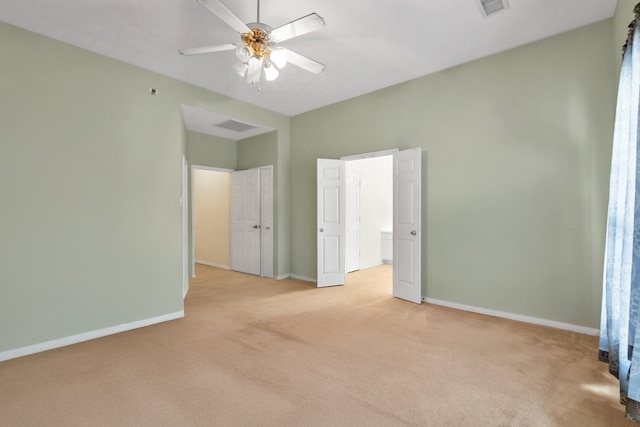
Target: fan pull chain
258,20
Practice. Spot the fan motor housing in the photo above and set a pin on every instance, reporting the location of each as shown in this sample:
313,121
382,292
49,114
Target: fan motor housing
258,39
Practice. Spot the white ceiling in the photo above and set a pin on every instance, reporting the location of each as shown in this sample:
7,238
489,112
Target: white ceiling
366,45
205,121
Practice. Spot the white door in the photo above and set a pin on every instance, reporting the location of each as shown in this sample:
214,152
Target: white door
185,227
352,244
331,222
407,283
266,220
245,221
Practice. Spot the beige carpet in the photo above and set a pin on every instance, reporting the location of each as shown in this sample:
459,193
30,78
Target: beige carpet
258,352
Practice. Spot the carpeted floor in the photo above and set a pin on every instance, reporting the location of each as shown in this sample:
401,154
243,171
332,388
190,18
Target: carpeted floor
258,352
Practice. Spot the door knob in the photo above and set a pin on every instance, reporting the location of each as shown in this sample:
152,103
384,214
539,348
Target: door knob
321,230
413,233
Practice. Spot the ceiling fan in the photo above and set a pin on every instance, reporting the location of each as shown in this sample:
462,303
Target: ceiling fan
258,49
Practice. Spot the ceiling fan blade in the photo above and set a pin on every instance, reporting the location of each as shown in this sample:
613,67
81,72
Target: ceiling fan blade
207,49
304,62
304,25
223,13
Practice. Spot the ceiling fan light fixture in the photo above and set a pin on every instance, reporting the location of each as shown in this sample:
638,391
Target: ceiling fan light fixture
254,69
270,72
279,57
240,68
257,49
243,53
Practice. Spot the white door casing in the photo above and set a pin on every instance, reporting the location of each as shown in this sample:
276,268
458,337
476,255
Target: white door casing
185,227
352,243
331,222
266,221
407,230
245,221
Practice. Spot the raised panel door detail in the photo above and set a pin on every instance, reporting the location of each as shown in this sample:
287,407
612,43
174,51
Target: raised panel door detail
331,211
330,223
407,282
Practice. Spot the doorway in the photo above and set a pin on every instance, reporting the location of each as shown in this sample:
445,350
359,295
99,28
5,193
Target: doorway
406,230
219,212
369,211
211,217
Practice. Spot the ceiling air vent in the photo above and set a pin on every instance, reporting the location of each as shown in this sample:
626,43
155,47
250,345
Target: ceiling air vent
236,126
490,7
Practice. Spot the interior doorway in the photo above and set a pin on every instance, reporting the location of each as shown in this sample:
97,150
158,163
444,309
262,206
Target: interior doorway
406,232
211,203
215,216
369,212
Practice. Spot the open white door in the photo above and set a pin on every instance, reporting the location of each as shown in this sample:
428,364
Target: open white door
407,168
266,221
245,221
331,222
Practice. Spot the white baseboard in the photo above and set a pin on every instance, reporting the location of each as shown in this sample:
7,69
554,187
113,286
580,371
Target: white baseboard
512,316
306,279
364,267
283,276
86,336
213,264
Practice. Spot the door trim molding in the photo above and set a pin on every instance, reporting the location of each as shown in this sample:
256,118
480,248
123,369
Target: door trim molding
209,168
370,155
184,207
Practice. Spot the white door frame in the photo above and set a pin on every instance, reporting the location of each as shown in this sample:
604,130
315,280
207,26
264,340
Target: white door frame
379,154
382,153
184,197
192,231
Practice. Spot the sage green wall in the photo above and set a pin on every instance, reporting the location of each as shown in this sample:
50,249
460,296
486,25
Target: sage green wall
283,201
262,150
516,152
90,172
211,151
623,16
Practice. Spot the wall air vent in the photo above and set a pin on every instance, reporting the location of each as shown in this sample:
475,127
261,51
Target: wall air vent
491,7
236,126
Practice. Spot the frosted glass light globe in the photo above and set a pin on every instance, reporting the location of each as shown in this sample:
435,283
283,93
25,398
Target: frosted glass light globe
270,73
243,53
279,57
